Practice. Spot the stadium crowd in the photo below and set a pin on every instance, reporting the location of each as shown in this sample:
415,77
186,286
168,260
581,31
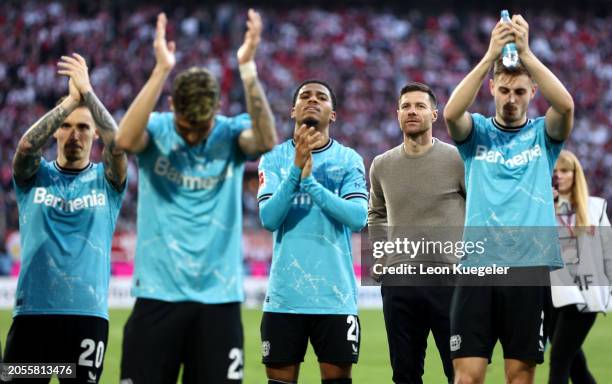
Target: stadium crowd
365,54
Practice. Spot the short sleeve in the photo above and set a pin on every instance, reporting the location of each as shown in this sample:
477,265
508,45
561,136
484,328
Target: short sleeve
42,169
155,125
467,146
239,123
115,196
553,147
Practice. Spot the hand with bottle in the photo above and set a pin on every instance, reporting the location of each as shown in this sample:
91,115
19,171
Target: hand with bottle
519,29
501,36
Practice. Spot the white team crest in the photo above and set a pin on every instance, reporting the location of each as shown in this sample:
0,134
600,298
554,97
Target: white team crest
265,348
455,343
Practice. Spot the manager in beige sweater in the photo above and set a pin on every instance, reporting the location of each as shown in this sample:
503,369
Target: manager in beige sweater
417,188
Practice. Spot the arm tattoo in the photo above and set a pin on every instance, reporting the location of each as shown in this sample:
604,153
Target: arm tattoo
29,150
105,122
114,159
261,115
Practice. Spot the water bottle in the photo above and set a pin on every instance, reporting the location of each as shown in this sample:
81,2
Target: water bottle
509,53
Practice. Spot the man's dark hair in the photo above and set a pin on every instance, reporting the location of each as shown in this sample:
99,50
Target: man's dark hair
415,86
312,81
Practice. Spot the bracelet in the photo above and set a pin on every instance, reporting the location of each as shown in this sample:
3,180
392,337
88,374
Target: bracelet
248,70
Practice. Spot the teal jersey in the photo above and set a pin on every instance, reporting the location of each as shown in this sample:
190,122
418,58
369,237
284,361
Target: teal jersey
312,263
508,175
190,214
66,221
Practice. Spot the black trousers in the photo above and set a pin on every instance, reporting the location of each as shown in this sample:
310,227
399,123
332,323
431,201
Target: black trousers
410,313
568,331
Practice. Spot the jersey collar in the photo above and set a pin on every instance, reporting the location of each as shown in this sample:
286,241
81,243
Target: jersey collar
320,149
71,171
505,128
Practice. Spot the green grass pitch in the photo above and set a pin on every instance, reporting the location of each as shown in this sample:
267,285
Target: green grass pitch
373,364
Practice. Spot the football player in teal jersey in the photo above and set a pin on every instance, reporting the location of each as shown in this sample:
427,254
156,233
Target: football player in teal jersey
312,196
188,268
67,213
509,159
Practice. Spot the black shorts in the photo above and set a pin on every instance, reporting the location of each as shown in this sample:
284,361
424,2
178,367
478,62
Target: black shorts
79,340
334,338
514,315
159,336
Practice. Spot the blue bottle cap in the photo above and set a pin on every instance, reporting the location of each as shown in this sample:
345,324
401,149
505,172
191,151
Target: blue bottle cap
505,15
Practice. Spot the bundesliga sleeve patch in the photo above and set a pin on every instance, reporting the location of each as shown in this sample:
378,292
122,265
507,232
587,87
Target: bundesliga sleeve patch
262,179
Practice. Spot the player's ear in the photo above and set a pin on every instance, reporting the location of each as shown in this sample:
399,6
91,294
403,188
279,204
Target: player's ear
492,87
171,103
434,115
534,90
332,116
293,112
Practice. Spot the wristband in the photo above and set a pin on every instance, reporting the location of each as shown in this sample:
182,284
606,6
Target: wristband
248,70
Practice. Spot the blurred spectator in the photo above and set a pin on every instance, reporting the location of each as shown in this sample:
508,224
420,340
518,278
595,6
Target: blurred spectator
5,258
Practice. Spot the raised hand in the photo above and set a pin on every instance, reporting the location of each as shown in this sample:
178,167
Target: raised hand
252,37
73,92
306,139
520,30
164,51
307,170
502,34
75,67
301,148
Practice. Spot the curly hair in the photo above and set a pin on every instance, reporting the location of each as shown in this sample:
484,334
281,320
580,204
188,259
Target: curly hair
195,95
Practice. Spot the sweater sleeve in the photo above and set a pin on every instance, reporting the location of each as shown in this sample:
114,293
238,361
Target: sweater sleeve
377,211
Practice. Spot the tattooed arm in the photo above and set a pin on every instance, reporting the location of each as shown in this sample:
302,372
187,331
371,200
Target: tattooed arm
29,150
114,159
262,136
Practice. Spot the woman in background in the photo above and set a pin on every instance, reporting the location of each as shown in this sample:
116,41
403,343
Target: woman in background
582,288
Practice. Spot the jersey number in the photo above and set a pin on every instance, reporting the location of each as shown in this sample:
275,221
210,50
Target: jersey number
234,372
90,346
353,332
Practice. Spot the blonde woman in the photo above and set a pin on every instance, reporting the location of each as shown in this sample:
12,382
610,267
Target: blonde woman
582,287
